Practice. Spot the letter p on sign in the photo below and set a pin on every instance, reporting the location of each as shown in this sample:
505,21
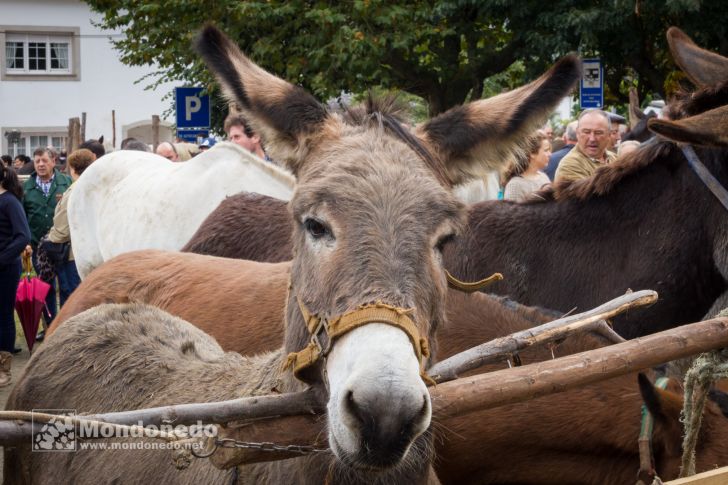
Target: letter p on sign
192,105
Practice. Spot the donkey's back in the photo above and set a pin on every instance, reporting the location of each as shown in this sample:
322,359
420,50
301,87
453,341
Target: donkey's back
123,357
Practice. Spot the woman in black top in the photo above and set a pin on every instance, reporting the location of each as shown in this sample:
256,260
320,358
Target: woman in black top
14,237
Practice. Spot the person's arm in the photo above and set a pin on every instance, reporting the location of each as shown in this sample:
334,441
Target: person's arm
21,232
60,232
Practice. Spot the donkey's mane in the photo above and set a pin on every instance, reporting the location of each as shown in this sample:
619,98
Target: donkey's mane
607,177
390,113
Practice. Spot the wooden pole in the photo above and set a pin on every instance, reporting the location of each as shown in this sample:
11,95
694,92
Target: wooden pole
74,134
461,396
155,132
592,320
83,127
113,129
485,391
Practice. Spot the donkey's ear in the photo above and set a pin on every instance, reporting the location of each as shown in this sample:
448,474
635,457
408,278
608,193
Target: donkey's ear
485,133
635,113
284,115
706,129
663,405
703,68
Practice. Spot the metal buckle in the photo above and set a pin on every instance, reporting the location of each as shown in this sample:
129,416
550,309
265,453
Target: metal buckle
322,325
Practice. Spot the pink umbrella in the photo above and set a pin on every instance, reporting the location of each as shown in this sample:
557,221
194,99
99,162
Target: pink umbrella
30,302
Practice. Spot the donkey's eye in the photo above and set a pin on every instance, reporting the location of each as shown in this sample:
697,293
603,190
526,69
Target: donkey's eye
443,241
316,229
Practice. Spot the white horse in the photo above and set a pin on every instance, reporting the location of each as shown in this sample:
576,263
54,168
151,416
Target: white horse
129,200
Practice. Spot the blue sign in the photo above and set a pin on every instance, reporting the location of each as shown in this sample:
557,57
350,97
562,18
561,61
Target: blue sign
192,108
192,136
591,89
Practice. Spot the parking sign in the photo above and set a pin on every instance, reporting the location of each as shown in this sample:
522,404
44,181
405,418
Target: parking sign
192,108
591,89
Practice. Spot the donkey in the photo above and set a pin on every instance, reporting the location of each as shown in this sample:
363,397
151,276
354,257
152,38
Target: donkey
370,214
563,437
645,221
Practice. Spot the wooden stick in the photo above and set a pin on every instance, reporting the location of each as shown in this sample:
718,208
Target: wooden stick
248,408
592,320
508,386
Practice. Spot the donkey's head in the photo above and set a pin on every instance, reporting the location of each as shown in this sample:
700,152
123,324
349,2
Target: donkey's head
372,211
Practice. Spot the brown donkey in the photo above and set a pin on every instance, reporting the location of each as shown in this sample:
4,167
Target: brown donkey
370,214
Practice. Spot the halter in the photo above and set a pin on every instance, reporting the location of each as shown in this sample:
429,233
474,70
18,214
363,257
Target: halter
647,474
325,330
705,176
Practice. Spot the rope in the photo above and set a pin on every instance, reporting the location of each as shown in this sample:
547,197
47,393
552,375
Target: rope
706,369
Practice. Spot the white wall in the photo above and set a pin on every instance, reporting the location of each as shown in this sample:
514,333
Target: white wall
105,83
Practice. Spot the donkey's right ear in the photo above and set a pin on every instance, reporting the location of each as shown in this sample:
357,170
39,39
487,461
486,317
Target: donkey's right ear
284,115
487,132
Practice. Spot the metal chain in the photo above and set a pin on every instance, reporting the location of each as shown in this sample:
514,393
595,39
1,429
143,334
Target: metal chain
268,446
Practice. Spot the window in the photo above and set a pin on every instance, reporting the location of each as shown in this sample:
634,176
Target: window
34,54
33,138
17,149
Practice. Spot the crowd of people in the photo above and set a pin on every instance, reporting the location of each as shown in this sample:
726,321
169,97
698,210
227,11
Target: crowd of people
589,142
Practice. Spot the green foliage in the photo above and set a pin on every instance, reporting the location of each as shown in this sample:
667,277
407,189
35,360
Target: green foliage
443,52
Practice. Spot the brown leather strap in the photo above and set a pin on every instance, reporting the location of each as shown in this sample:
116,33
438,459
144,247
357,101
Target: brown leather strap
334,328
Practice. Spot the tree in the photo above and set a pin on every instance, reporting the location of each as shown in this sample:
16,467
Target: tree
441,51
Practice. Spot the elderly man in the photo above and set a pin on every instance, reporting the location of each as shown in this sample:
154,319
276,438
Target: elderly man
43,190
168,151
590,152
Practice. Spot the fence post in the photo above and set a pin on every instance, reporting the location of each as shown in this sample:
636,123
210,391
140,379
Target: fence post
74,134
155,132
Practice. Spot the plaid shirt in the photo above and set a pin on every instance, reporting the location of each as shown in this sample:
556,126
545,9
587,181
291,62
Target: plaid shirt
45,187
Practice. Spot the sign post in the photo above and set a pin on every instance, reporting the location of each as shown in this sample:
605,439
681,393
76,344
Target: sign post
192,110
591,88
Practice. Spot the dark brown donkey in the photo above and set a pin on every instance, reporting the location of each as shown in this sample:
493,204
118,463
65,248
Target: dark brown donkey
646,221
587,435
370,214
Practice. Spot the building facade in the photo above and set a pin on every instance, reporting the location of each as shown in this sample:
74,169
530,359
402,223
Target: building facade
55,64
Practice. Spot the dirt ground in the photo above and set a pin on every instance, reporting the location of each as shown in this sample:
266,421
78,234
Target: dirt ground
19,362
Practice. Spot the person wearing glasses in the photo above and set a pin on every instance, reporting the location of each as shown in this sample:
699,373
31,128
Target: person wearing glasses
591,150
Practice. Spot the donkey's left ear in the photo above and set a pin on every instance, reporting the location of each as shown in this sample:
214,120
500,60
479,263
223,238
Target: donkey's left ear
284,115
706,129
485,133
663,405
703,67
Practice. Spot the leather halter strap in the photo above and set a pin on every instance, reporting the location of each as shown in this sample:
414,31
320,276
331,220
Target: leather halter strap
705,176
334,328
647,473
